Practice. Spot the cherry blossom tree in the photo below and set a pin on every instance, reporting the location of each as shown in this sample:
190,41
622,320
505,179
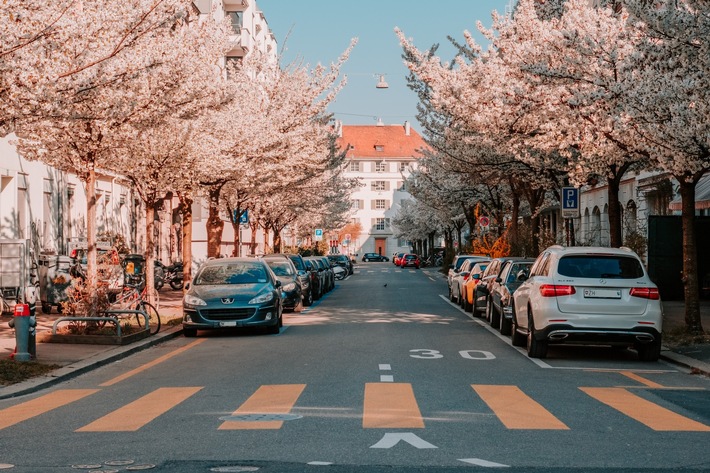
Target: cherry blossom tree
669,101
126,64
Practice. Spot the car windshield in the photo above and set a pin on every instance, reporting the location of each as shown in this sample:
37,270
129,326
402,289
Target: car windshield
297,262
600,266
280,268
515,270
231,273
411,257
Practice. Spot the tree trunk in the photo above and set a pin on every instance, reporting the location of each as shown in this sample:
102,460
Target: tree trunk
91,251
513,233
612,192
276,238
254,226
186,207
150,251
215,224
690,257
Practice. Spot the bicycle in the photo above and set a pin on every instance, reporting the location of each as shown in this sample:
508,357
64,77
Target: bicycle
134,299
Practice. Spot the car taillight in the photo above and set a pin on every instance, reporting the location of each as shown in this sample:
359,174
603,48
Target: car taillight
645,293
554,290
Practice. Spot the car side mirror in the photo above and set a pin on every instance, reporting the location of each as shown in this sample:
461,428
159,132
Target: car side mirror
187,285
499,280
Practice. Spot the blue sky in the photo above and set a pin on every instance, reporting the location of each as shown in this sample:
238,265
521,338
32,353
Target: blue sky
320,30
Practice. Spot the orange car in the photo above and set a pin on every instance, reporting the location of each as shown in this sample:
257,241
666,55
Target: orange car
470,284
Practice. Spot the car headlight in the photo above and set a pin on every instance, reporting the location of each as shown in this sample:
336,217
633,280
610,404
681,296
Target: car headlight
189,300
289,287
263,297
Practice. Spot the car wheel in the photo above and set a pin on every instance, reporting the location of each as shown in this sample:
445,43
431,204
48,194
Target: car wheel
536,348
649,351
451,294
517,339
506,325
308,299
189,332
466,304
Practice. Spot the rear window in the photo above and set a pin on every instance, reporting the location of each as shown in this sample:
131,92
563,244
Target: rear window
600,267
297,262
280,268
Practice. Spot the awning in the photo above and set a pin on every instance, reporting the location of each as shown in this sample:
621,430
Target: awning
702,195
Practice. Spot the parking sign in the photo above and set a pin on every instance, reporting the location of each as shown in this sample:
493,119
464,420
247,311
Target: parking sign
570,202
319,234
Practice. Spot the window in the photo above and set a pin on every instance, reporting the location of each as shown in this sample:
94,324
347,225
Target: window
379,185
402,167
380,166
379,148
235,18
358,204
380,204
381,223
354,166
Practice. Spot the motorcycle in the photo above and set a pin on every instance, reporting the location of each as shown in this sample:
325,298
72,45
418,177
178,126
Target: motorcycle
173,274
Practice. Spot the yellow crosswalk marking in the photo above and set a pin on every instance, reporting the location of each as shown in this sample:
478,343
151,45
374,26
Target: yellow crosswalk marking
641,379
138,413
646,412
26,410
269,399
391,406
516,410
146,366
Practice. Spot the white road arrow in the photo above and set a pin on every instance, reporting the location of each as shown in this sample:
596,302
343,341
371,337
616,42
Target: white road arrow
485,463
392,439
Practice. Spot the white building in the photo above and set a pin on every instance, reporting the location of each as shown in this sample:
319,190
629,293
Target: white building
382,157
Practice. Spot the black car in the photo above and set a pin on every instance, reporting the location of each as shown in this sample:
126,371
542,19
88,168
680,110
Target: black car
232,292
512,275
374,257
286,272
342,261
304,275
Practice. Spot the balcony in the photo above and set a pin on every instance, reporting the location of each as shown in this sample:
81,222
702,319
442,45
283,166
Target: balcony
236,4
241,42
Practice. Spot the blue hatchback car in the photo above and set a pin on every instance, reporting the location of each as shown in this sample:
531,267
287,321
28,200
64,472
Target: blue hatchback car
232,292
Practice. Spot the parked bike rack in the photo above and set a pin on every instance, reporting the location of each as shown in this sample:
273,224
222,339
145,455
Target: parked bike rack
115,320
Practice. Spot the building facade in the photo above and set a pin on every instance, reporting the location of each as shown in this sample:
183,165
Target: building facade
381,157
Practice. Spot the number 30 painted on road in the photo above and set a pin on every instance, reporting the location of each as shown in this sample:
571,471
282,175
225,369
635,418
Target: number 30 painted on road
425,354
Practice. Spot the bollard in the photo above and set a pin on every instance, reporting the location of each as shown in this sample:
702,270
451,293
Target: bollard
22,321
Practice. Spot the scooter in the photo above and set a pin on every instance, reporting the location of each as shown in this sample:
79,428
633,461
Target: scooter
173,275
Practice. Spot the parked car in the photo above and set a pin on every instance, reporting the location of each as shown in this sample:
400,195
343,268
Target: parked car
328,270
512,274
343,261
305,277
588,295
410,260
285,271
316,280
456,288
482,293
455,266
232,292
469,284
397,257
374,257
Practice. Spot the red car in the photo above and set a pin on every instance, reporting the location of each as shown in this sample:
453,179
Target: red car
397,257
409,260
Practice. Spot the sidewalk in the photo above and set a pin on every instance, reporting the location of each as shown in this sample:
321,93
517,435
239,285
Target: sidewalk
76,359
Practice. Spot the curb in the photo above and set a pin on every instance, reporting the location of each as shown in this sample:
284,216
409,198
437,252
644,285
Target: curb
695,366
71,371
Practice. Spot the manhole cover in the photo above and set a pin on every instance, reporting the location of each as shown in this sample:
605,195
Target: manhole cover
259,417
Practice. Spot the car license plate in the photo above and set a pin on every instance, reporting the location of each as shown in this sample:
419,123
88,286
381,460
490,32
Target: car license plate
602,293
229,323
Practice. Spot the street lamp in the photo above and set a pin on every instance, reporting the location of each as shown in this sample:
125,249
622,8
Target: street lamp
382,84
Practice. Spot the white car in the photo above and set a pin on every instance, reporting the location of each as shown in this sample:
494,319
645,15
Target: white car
588,295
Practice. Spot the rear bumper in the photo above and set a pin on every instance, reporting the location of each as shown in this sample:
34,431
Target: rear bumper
563,333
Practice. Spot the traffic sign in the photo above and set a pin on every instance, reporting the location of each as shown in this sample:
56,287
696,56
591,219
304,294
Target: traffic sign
484,221
319,234
570,202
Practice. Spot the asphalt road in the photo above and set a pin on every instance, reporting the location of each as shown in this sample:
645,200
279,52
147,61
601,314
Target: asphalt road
381,375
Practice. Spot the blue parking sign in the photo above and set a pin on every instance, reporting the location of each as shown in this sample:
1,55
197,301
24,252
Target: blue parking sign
570,202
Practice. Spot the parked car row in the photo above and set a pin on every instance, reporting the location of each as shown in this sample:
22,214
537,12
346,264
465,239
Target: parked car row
407,260
574,295
254,292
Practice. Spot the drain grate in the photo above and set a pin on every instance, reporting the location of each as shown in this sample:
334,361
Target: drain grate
259,417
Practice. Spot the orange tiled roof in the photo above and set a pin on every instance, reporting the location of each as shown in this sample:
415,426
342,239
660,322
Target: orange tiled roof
366,139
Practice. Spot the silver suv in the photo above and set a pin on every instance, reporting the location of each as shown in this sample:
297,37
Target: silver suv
588,295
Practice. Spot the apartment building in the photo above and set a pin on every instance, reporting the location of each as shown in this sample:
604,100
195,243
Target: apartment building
382,157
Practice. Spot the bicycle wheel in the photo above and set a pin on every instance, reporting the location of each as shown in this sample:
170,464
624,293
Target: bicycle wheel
153,317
